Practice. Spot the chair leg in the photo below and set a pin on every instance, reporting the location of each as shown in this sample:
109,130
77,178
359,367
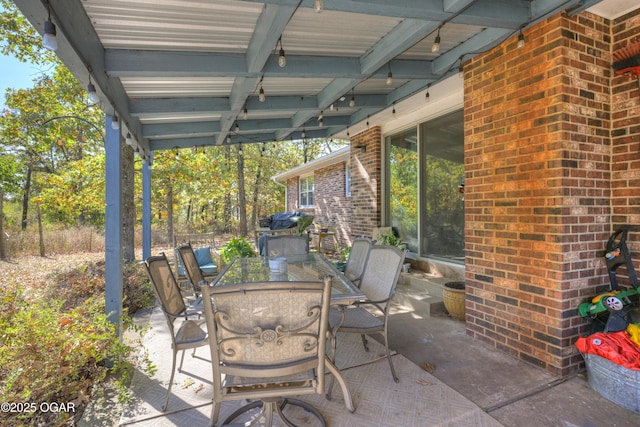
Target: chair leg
299,403
215,413
386,346
364,342
173,371
343,385
182,360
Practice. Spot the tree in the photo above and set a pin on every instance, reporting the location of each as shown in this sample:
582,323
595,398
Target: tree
42,124
9,182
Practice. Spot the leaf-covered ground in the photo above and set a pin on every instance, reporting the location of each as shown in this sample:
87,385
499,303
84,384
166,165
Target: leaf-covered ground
31,272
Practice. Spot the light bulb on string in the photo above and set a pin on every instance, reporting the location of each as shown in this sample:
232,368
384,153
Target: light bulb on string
520,40
49,39
435,48
282,59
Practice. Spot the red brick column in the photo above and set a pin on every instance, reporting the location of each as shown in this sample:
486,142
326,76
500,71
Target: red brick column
537,188
365,182
625,137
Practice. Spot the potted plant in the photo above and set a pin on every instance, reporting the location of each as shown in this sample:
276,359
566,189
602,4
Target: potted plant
453,297
237,246
391,239
302,223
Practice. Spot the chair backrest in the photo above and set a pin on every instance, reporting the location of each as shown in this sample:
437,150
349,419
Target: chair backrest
357,258
190,263
286,245
381,272
165,285
267,329
196,239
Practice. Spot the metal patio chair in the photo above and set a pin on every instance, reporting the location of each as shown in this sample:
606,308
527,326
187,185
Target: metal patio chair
378,283
357,259
268,344
192,269
286,245
189,335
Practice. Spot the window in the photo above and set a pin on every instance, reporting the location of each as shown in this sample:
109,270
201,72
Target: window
402,167
306,192
443,171
424,188
347,180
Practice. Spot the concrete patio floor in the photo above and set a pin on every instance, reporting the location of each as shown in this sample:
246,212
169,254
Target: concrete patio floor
466,383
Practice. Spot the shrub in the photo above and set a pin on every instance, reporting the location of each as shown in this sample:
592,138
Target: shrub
237,246
54,347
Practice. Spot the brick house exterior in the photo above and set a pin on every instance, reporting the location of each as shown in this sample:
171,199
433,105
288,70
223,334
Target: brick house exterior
332,206
552,168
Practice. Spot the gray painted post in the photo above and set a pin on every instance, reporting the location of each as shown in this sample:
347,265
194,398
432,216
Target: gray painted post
146,207
113,226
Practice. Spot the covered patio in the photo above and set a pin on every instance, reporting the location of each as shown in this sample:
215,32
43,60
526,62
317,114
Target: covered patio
549,138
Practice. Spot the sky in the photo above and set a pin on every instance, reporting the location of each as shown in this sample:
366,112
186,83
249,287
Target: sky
15,74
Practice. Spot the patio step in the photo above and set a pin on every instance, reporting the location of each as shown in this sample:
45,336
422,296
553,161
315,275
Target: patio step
420,293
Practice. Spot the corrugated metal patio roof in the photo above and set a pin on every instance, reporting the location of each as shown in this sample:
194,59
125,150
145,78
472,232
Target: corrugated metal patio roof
182,73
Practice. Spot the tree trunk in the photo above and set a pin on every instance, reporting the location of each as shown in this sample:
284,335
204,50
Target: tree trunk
242,198
226,211
40,231
256,193
25,200
3,247
170,214
128,205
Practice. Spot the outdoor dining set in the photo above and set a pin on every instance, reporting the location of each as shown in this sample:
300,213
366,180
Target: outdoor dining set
272,323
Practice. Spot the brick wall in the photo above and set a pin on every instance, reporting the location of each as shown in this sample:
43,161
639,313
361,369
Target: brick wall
332,207
365,182
625,138
538,158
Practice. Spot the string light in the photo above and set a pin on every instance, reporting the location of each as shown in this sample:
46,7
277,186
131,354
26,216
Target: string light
318,6
93,95
282,60
389,76
520,40
427,97
435,48
49,40
261,96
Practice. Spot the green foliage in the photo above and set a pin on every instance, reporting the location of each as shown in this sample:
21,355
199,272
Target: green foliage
237,246
344,253
302,223
392,240
54,350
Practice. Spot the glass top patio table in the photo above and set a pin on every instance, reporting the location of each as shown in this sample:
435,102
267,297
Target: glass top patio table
307,267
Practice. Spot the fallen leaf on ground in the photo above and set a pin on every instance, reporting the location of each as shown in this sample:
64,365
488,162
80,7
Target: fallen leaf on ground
429,367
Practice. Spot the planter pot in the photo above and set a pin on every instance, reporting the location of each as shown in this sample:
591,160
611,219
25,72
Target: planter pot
453,296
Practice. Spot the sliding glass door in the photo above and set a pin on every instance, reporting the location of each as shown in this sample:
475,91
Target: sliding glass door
442,187
402,186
